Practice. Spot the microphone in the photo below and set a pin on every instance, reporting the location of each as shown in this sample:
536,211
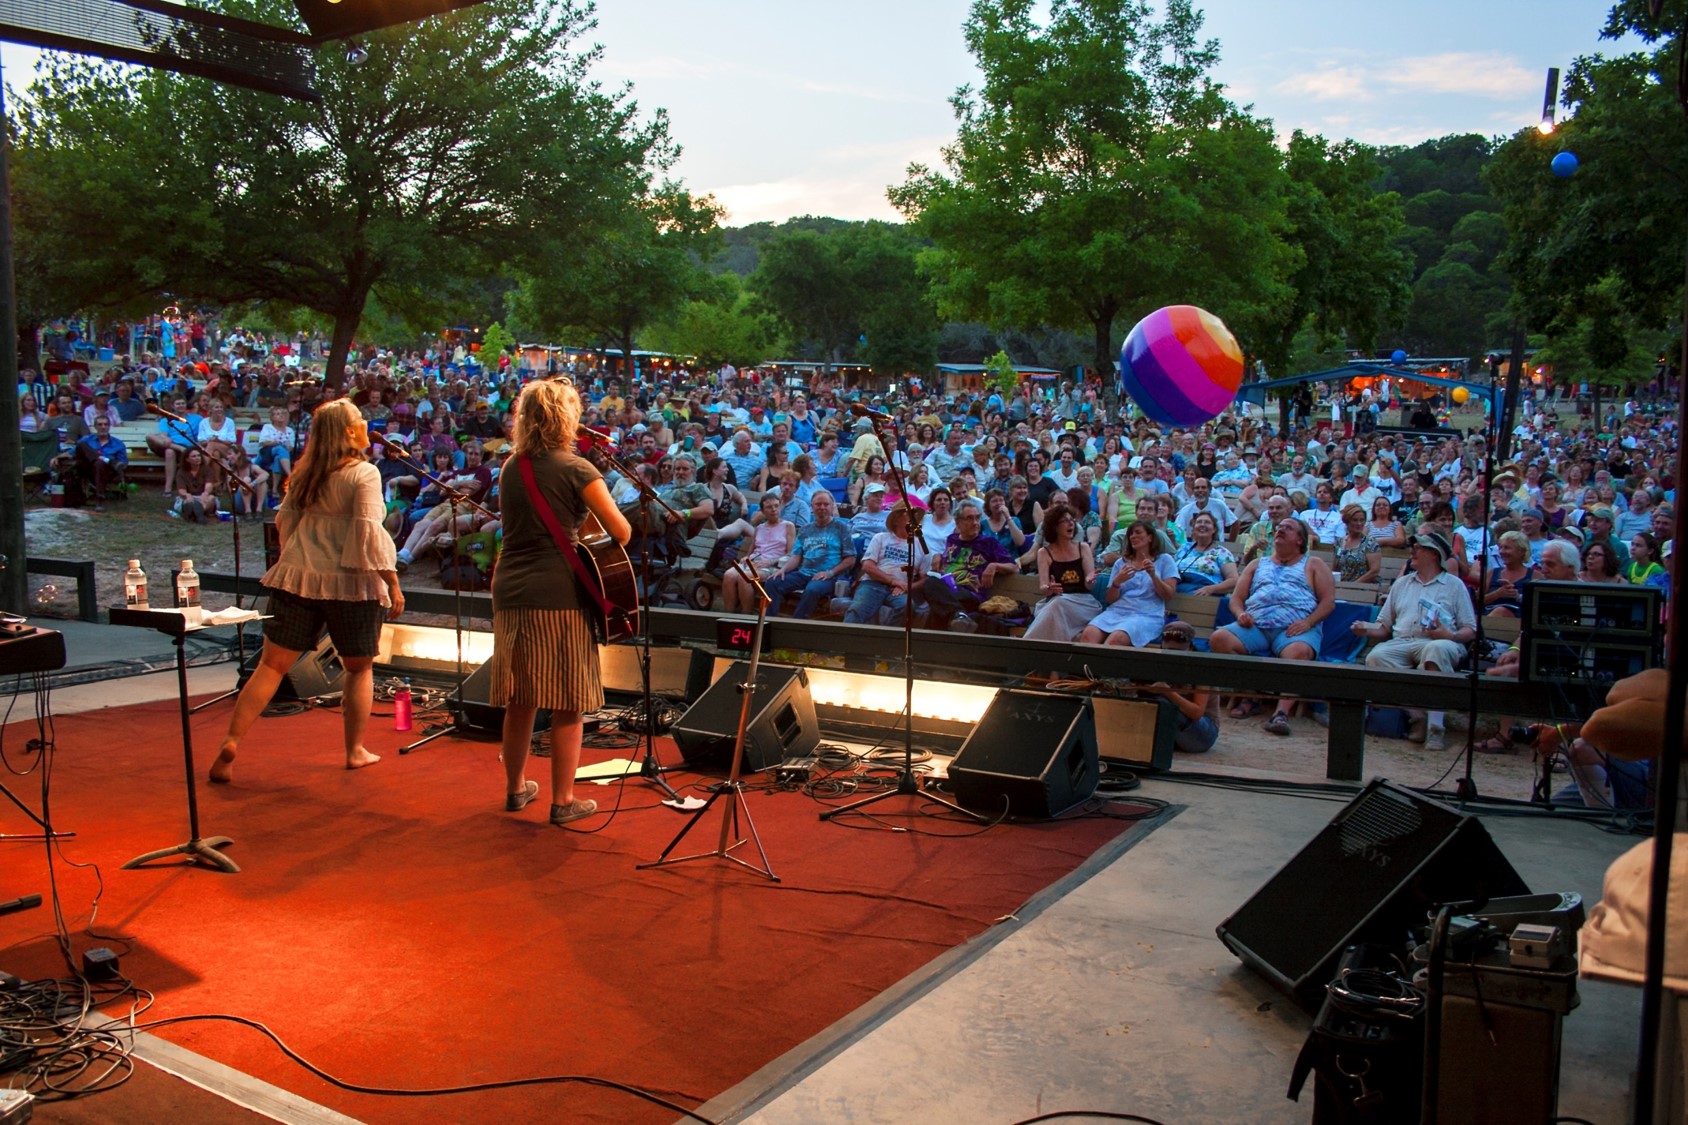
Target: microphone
154,408
861,411
597,437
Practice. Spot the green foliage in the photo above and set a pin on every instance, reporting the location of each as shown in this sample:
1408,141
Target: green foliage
641,267
741,247
405,177
853,291
495,341
720,324
1350,277
1600,254
1098,172
1000,375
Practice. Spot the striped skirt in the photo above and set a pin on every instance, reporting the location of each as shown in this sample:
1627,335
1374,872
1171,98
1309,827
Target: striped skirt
544,658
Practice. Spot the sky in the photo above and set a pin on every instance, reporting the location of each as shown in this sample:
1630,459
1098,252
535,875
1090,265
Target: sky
787,109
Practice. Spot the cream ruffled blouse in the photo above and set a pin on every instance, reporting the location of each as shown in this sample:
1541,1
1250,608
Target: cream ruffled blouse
336,549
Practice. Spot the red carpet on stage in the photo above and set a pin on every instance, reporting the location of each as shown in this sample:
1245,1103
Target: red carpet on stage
397,928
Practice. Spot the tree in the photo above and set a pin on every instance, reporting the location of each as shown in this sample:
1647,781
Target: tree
458,143
1098,172
1607,242
853,290
720,324
637,269
1350,280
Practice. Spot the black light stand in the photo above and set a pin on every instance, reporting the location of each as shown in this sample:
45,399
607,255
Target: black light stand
1465,788
453,497
906,785
732,789
650,770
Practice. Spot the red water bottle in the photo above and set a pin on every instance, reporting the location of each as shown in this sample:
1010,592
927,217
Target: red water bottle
401,707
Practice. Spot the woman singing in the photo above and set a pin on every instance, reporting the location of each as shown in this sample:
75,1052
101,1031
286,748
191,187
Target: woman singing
544,653
336,570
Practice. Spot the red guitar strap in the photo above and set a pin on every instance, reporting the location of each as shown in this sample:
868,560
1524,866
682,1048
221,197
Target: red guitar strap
565,543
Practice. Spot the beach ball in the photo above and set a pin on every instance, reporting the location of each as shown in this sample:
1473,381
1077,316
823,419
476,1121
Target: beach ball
1181,366
1564,165
1398,357
1461,395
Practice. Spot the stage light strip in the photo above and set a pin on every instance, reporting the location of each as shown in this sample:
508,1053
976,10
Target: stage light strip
933,699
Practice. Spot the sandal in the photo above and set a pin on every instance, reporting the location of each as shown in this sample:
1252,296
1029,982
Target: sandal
1278,723
1496,745
1245,708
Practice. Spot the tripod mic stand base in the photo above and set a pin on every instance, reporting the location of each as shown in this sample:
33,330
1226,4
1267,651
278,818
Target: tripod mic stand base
906,787
733,791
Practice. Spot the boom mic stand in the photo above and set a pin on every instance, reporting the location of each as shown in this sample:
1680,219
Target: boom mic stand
234,521
650,770
453,497
906,785
1465,788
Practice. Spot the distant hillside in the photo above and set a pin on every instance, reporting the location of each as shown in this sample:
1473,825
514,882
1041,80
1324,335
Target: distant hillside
742,249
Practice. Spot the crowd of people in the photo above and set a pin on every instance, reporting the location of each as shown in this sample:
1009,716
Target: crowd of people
920,498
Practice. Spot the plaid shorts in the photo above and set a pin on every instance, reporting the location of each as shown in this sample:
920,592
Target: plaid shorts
297,623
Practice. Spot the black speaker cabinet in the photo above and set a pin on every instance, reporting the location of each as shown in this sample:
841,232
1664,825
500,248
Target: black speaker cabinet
1037,750
782,719
1135,734
317,672
472,711
1372,874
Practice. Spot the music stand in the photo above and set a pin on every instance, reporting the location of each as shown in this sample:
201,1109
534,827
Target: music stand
197,848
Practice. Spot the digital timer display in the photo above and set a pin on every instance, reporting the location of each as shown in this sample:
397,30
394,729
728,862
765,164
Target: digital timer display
734,636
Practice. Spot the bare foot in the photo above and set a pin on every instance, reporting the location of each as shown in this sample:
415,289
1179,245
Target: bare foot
222,770
360,758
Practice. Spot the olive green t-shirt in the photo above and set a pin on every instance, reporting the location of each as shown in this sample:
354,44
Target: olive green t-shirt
532,572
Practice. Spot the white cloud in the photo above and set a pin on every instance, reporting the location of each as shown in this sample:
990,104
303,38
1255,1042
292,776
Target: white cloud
652,67
778,200
1332,84
866,93
1474,74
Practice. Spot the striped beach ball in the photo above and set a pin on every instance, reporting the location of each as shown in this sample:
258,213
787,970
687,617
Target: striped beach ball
1181,365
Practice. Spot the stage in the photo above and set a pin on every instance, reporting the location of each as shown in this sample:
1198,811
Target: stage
1062,973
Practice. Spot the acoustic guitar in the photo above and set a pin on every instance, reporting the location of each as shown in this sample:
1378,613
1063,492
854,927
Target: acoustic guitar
611,571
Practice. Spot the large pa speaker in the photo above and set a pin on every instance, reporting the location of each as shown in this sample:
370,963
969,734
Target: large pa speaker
470,709
316,673
782,719
1035,749
1135,734
1371,875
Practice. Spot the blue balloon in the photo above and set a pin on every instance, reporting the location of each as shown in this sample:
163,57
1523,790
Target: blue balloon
1564,165
1398,358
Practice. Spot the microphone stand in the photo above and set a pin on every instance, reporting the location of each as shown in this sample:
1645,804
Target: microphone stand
234,520
453,497
906,785
650,770
732,789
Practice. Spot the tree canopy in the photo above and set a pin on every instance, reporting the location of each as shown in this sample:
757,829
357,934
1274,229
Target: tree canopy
1097,172
464,140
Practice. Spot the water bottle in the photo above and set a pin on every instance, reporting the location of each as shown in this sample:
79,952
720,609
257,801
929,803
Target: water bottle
135,586
401,707
187,593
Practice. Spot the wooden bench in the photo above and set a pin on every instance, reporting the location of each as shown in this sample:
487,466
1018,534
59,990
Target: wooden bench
87,597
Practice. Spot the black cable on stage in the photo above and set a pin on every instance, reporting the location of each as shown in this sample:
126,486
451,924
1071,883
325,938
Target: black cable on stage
1104,1114
437,1091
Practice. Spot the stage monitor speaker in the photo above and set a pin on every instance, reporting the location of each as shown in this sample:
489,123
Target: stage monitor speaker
1135,734
1035,749
1373,873
782,719
316,673
472,711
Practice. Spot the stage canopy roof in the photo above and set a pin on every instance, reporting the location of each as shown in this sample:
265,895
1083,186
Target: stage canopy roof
1256,392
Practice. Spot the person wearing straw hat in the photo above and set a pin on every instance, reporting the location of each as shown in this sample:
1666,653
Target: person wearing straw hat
1429,622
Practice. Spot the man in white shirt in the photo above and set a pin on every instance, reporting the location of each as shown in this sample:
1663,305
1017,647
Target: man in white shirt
1202,499
1065,471
1359,492
1429,619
